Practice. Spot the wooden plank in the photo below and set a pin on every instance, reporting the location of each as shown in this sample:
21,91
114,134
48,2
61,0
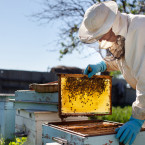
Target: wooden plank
55,143
7,123
9,105
45,88
34,106
54,116
82,75
2,105
105,140
49,133
6,97
34,96
6,106
39,132
25,114
23,123
2,122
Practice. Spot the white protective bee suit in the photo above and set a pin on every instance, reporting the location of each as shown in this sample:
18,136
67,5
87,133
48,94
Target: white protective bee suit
132,65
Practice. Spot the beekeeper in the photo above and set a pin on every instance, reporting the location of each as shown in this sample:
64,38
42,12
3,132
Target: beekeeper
123,35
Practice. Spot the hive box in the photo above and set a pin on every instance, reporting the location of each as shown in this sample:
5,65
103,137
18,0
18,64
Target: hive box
84,133
34,109
7,116
26,99
30,122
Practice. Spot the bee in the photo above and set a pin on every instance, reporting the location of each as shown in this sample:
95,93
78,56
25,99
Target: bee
107,104
74,110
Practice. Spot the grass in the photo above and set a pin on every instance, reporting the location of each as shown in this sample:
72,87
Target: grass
119,114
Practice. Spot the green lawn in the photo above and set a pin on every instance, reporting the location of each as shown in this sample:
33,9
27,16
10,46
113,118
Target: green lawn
119,114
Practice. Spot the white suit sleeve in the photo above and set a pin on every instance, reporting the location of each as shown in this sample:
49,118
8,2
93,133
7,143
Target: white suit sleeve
138,107
111,66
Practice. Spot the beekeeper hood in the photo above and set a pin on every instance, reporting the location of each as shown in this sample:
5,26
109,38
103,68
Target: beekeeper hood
98,20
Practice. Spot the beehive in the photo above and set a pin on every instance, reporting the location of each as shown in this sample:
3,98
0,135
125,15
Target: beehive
82,96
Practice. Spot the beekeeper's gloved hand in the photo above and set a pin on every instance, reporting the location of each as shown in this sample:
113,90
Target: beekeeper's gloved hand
129,130
99,67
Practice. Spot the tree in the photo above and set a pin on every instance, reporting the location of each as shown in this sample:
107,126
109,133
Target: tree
71,13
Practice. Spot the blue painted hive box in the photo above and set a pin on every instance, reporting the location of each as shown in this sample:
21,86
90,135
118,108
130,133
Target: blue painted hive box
7,116
28,99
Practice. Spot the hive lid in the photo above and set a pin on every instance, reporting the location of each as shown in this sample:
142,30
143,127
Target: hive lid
45,88
83,96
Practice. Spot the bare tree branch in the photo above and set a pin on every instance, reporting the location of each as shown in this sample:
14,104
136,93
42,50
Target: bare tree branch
71,12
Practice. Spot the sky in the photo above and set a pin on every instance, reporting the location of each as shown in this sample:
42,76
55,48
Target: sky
25,44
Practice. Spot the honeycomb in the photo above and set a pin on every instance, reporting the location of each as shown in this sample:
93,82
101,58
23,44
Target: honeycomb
80,94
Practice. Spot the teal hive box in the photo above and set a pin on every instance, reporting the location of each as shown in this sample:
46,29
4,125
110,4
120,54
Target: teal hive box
7,116
32,110
57,135
36,101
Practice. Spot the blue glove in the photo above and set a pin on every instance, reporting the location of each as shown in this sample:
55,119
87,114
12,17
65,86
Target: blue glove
129,130
99,67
